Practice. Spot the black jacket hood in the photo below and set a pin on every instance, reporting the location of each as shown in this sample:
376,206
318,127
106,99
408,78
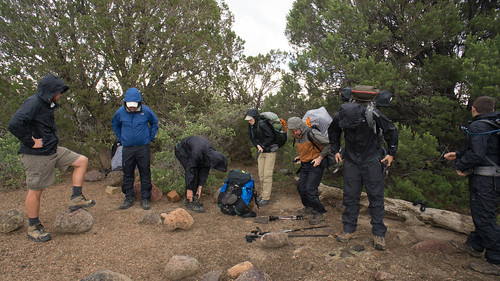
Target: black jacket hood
50,86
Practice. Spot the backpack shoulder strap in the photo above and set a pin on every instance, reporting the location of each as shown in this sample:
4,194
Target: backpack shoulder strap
310,138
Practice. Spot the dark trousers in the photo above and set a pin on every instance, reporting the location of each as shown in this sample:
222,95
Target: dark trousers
309,180
192,175
136,156
370,175
484,199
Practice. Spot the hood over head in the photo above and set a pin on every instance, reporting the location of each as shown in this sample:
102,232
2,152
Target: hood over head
295,123
254,113
217,160
133,95
50,86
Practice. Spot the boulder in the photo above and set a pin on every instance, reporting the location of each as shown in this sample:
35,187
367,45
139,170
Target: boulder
78,221
11,220
156,193
178,219
274,240
238,269
114,178
173,196
253,274
180,267
94,175
150,217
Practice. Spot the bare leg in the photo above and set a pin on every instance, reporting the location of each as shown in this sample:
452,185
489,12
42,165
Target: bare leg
33,203
80,169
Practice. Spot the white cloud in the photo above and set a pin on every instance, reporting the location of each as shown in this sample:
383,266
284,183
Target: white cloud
261,23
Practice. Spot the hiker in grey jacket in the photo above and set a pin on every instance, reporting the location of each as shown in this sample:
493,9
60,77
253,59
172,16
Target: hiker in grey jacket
313,161
34,125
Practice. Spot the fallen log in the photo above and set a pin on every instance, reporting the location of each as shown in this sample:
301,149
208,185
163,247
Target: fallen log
407,212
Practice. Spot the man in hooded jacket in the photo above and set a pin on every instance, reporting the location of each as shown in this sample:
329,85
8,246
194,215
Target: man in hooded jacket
135,125
313,161
197,156
364,164
480,155
263,138
34,125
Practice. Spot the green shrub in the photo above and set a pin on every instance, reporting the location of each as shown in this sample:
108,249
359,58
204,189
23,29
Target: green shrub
216,125
11,170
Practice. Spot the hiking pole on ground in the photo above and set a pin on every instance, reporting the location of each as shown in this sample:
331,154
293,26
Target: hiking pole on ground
266,219
257,233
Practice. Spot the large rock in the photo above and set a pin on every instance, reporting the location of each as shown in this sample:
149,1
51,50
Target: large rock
150,217
253,274
180,267
106,275
78,221
11,220
114,178
156,193
177,219
274,240
213,275
431,246
94,176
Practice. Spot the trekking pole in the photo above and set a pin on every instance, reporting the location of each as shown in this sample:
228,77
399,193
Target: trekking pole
273,218
257,233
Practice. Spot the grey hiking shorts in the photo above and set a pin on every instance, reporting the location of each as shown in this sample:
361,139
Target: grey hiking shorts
40,169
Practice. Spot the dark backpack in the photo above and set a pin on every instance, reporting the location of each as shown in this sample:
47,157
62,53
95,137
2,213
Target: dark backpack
237,193
278,125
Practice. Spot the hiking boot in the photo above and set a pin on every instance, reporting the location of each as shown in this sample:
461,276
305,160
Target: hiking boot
197,201
129,202
465,248
485,267
379,243
195,206
80,202
305,211
37,233
346,236
145,204
317,218
263,202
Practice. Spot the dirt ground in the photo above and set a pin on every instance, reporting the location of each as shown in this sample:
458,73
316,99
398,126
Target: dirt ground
118,243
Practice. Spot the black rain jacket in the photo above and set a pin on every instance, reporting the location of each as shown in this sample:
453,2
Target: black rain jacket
479,144
35,118
261,133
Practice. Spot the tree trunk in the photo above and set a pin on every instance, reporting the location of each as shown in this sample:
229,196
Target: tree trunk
405,211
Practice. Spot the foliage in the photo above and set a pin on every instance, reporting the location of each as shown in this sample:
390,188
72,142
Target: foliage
172,51
217,126
11,171
418,173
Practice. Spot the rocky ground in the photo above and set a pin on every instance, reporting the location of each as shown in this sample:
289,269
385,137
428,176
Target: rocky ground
117,242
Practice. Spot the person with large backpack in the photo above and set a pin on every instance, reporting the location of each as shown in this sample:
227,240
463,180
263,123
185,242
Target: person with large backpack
263,137
480,156
312,157
197,155
364,159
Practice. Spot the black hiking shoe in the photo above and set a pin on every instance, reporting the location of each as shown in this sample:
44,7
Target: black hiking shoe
80,202
195,206
262,202
145,204
37,233
129,202
465,248
317,218
305,211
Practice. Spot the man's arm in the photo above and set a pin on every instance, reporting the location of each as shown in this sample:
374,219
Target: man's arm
19,124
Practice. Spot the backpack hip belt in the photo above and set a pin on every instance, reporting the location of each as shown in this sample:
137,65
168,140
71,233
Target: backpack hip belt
488,171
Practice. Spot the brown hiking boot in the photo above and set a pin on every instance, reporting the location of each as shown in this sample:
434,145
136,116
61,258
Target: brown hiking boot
37,233
346,236
465,248
379,243
305,211
485,267
80,202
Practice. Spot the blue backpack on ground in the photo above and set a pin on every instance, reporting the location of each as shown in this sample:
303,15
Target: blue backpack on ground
236,193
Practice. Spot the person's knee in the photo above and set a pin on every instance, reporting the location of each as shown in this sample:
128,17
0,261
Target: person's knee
82,161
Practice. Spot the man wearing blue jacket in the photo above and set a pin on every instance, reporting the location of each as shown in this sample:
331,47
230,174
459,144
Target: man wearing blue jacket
135,125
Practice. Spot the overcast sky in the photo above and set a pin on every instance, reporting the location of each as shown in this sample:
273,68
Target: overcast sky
261,23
